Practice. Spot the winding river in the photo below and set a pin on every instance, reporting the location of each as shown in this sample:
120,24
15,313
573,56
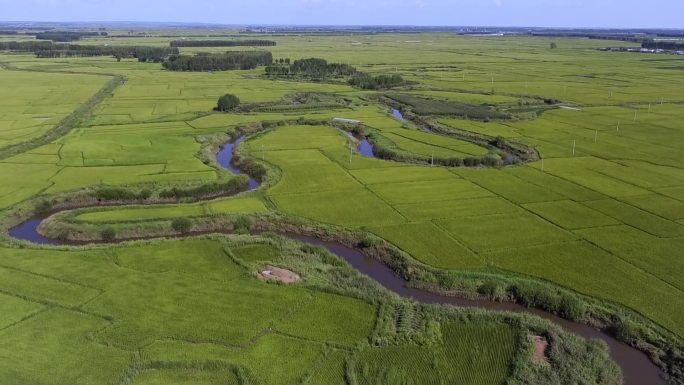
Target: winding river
636,367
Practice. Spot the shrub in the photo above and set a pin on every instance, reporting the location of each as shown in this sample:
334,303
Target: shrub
181,225
228,102
368,82
366,242
145,194
232,186
108,234
242,224
43,207
115,193
491,289
571,307
625,330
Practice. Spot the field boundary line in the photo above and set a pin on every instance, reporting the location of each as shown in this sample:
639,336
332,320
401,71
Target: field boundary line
363,186
69,122
50,277
42,310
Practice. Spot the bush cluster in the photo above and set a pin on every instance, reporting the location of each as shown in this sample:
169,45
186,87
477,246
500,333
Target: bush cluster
368,82
181,225
227,102
567,306
121,194
232,60
232,186
312,68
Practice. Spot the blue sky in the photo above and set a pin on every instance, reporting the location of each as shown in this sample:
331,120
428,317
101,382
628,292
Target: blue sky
549,13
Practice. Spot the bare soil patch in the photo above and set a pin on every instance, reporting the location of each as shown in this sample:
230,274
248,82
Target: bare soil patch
271,273
540,345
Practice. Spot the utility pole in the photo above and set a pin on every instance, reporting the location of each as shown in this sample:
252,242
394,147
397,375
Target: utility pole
595,135
574,144
618,127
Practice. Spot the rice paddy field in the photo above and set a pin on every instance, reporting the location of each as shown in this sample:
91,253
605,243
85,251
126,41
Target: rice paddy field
600,214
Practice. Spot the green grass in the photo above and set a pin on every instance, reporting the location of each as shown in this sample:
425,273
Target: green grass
256,253
504,231
606,221
319,317
15,309
638,218
429,244
236,205
261,360
44,289
184,376
457,208
439,190
590,270
570,215
463,358
331,371
355,207
63,347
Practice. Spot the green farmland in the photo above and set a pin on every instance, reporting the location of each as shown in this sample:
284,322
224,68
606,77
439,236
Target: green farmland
592,218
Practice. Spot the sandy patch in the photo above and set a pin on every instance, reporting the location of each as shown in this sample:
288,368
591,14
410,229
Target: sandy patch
540,345
271,273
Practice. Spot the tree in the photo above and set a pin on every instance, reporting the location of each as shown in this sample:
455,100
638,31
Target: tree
181,225
108,234
227,102
554,45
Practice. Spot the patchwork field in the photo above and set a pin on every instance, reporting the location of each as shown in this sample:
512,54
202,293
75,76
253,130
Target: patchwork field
601,214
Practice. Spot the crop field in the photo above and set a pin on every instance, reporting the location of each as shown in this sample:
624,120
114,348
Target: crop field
461,360
33,102
599,212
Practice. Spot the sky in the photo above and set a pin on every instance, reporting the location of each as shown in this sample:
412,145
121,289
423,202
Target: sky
541,13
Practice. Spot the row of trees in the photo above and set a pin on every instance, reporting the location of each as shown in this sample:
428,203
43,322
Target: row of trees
26,46
313,68
142,53
232,60
66,36
368,82
222,43
668,45
48,49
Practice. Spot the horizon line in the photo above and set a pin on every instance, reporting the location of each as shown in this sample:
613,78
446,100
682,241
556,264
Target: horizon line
193,23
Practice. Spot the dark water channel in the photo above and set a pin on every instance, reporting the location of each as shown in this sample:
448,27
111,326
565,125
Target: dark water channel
225,158
636,366
397,114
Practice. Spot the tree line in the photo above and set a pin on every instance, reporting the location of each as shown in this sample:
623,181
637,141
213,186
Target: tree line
368,82
232,60
660,44
67,36
312,68
222,43
48,49
320,69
